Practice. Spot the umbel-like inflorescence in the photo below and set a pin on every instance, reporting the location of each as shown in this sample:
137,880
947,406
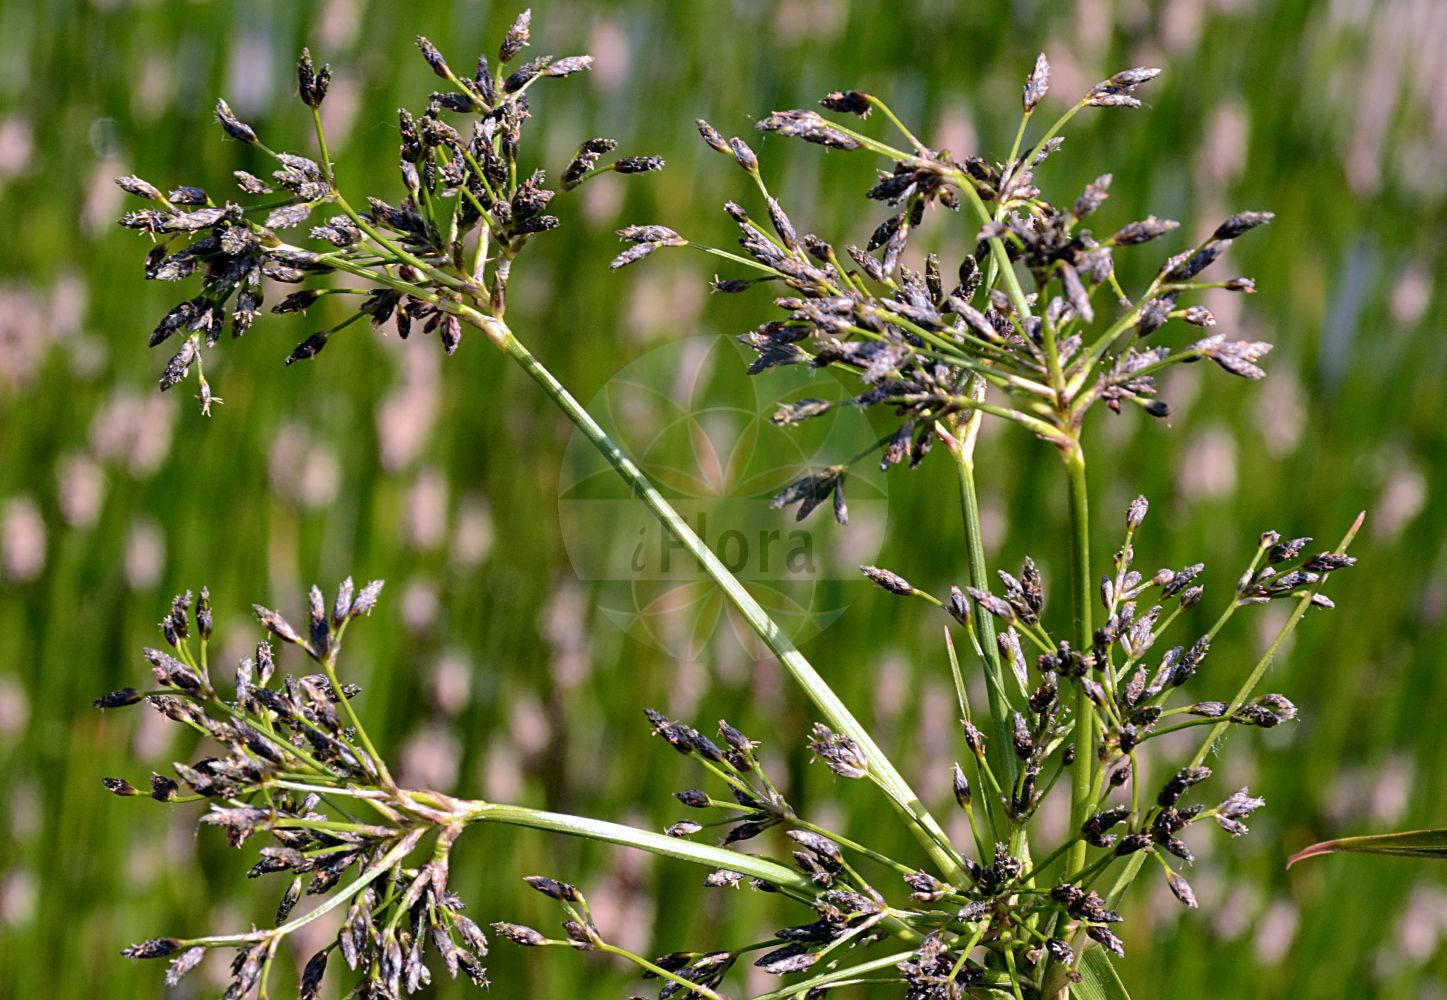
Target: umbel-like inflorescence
927,342
437,260
292,752
1033,328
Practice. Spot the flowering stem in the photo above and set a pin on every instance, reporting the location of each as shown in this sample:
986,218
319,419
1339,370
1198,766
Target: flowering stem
1080,588
881,770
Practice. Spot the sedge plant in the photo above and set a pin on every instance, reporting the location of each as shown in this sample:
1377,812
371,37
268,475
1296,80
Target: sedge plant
1035,331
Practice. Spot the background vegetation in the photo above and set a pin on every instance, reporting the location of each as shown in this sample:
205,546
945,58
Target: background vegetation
485,668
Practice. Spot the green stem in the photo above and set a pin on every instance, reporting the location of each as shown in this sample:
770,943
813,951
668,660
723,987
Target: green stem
836,713
794,882
1080,593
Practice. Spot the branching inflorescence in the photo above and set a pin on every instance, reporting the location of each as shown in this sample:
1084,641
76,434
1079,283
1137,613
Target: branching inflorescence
438,261
1008,913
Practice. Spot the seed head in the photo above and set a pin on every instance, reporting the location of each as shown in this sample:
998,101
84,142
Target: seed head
235,127
1036,84
118,699
312,83
154,948
120,786
518,934
961,786
745,155
713,137
1241,223
892,582
841,753
851,102
516,38
638,164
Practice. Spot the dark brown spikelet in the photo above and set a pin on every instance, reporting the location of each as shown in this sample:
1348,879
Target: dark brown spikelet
204,621
311,976
1143,231
812,490
1181,889
518,934
744,154
958,606
552,888
184,963
154,948
1094,195
1036,84
1024,745
974,739
118,699
849,102
277,625
713,137
308,348
449,331
960,785
585,160
434,58
1241,223
235,127
516,38
842,754
892,582
1103,937
120,786
312,83
140,188
163,789
638,164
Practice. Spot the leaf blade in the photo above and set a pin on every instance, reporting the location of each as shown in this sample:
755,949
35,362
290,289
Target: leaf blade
1098,978
1405,844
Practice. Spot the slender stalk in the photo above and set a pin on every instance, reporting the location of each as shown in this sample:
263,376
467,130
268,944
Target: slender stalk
930,834
838,977
403,848
999,750
1080,588
662,973
1268,657
654,843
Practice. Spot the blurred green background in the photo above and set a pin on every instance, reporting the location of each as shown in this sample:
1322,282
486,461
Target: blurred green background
486,668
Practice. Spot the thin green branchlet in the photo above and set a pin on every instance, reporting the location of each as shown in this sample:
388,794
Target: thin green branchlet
1016,338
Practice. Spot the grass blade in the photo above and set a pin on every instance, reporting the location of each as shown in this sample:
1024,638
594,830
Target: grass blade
1099,980
1406,844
